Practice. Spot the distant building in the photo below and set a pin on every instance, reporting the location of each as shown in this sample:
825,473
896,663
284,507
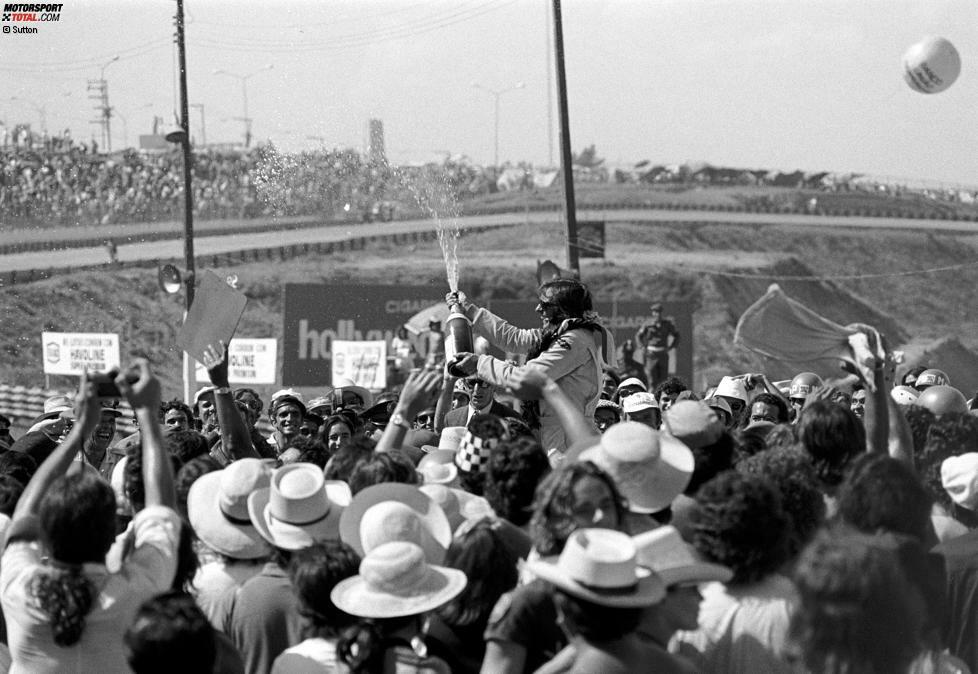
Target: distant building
375,140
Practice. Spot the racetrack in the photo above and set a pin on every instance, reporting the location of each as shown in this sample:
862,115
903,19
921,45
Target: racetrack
210,243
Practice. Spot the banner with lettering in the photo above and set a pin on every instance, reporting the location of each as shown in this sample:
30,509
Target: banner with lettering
363,362
72,353
250,361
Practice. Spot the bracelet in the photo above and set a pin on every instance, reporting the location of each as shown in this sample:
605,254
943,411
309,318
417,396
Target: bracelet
225,390
551,387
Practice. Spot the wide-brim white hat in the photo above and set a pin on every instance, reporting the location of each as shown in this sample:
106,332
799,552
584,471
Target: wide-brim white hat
217,506
350,385
396,581
674,560
650,468
599,566
300,507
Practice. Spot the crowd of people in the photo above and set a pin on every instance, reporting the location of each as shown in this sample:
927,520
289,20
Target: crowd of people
541,515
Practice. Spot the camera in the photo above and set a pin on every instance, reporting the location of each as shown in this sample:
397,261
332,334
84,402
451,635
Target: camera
105,386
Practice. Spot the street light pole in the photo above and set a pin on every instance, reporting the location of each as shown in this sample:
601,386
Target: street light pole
497,94
244,96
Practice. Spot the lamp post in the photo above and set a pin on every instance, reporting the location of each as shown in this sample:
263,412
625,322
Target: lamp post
244,96
497,94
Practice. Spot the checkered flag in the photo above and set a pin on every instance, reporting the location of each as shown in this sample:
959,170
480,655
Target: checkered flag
473,453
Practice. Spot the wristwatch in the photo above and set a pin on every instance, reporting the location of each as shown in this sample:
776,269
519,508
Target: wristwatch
398,420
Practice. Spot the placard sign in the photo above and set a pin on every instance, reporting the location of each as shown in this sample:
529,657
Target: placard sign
72,353
250,361
363,362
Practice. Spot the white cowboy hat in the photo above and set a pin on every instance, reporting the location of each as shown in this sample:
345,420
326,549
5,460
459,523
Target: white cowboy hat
347,384
395,580
599,566
650,468
674,560
217,506
299,508
391,511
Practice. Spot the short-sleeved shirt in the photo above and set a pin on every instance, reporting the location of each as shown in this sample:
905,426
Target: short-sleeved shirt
527,617
146,572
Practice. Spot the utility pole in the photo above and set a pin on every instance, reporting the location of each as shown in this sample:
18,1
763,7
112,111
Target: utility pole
566,161
99,91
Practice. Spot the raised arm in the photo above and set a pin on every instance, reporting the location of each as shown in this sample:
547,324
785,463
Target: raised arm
420,391
235,438
144,398
87,412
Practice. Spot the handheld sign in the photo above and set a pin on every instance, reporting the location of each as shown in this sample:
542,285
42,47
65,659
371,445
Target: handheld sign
213,317
363,362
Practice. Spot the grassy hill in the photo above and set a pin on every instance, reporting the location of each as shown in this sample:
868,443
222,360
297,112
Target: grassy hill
896,280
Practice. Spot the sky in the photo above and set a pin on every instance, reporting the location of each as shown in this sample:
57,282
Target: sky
794,84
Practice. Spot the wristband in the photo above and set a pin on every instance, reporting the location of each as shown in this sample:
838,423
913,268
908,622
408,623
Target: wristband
398,420
223,390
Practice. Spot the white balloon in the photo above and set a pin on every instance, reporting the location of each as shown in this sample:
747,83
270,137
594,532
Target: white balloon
931,65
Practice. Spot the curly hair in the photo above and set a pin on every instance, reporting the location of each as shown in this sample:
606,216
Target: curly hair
77,516
341,464
739,522
393,466
490,566
593,622
858,612
774,401
553,518
314,572
132,477
170,634
920,419
180,406
18,465
792,473
672,385
515,469
833,436
880,493
185,445
187,475
955,433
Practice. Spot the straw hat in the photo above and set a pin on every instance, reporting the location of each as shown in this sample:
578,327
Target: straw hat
391,511
299,508
451,438
395,580
217,506
694,423
439,473
599,566
674,560
649,467
347,384
732,387
458,504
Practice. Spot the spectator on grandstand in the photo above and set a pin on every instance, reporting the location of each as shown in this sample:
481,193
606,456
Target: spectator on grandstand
569,348
73,611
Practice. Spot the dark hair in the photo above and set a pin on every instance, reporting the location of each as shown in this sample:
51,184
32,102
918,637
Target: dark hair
791,471
833,436
342,463
490,566
10,492
314,572
920,420
710,461
858,612
170,634
185,446
515,469
363,647
782,436
593,622
955,433
571,297
393,466
77,516
316,453
188,474
671,385
187,560
18,465
880,493
749,442
739,522
180,406
553,518
775,401
338,419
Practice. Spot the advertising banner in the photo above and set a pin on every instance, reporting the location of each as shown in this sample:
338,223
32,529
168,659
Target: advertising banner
72,353
250,361
363,362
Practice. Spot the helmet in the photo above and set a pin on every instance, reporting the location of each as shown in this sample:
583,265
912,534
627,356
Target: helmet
904,395
942,399
803,384
931,377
